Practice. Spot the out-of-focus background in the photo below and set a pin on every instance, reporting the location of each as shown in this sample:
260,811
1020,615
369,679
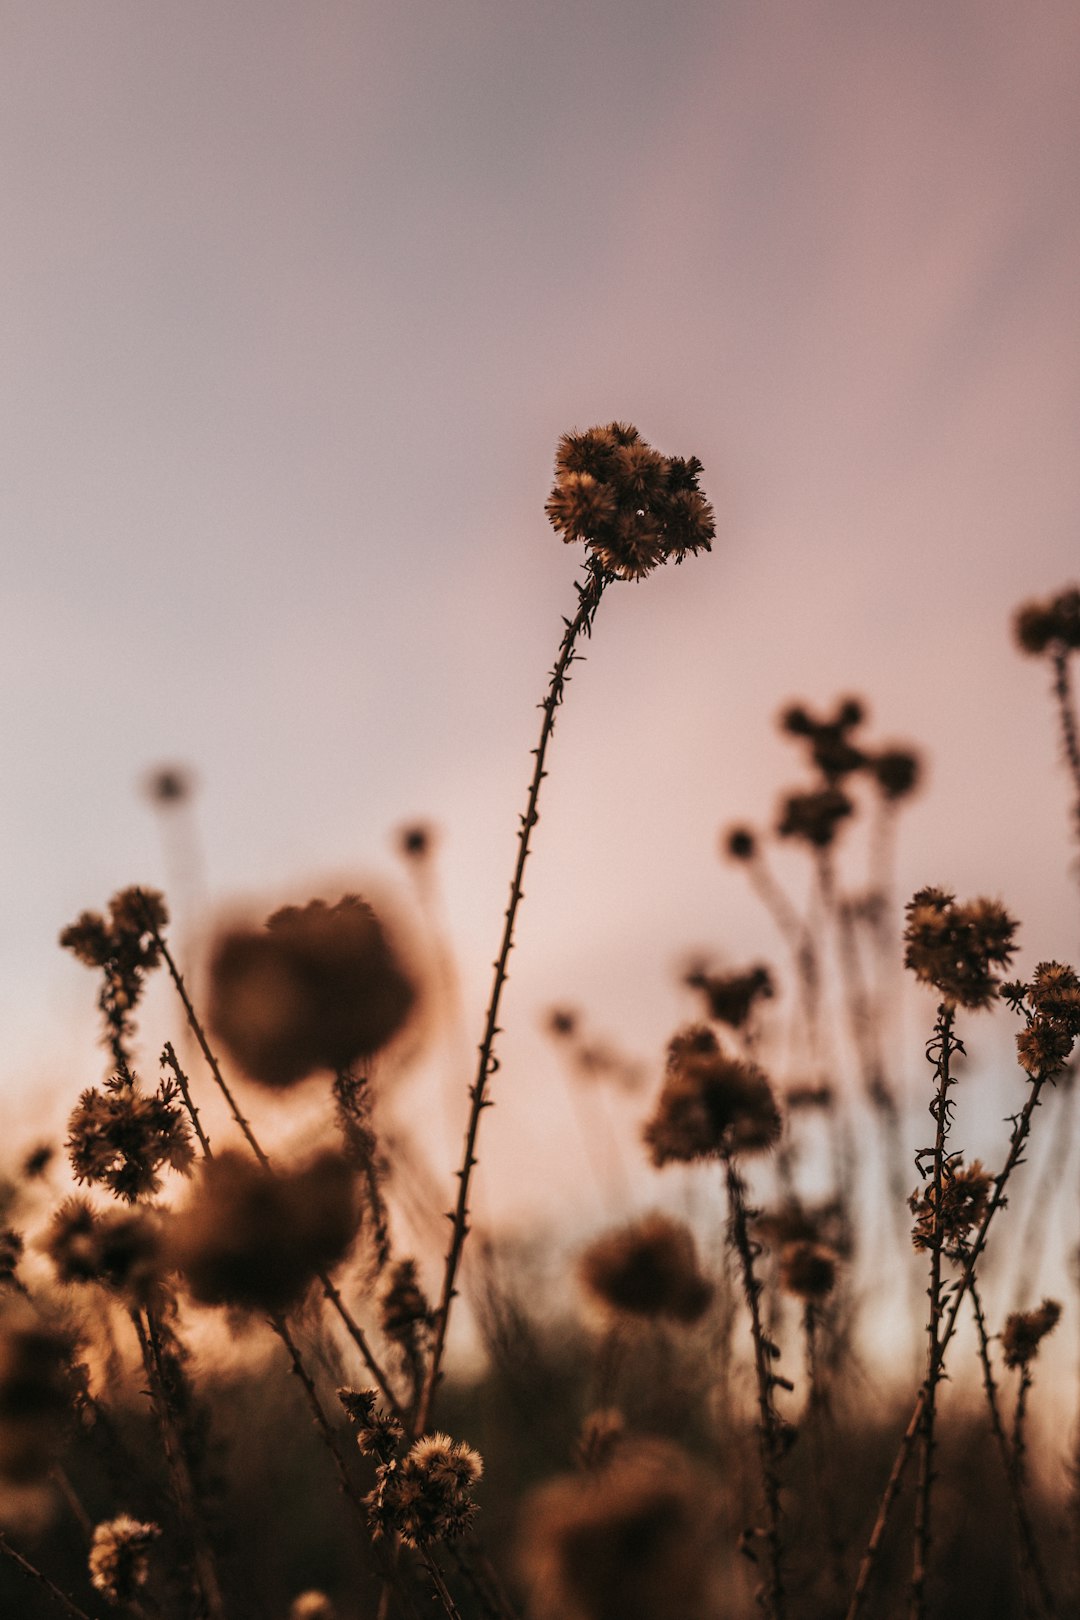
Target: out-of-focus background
295,303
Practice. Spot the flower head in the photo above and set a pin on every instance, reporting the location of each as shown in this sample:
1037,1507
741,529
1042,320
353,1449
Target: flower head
710,1104
648,1268
426,1496
633,507
120,1557
1054,623
1025,1331
957,947
965,1193
808,1269
732,997
319,988
122,1137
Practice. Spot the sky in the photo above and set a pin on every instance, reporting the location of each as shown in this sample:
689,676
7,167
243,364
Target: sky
296,300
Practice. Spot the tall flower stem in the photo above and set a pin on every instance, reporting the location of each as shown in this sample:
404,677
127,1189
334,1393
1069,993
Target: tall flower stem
939,1051
769,1421
32,1573
589,595
1031,1565
329,1289
1070,730
1020,1131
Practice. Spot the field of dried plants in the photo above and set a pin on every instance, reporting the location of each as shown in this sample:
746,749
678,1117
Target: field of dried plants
809,1379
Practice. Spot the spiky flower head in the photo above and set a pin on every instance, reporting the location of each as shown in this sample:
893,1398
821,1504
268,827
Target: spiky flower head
120,1557
965,1193
118,1248
648,1268
1025,1331
956,948
122,1137
710,1104
426,1496
1054,623
378,1432
124,946
633,507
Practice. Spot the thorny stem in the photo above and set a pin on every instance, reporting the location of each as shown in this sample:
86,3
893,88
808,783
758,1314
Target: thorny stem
1019,1441
1070,731
589,595
939,1051
330,1291
769,1420
441,1588
1021,1128
168,1056
351,1105
1030,1563
32,1573
182,1483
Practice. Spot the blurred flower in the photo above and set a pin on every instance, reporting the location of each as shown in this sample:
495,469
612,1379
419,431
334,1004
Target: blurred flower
632,1541
830,745
121,1249
1040,625
647,1268
897,772
808,1269
731,997
814,818
169,785
255,1238
1025,1331
312,1606
633,507
11,1252
319,988
710,1104
956,947
120,1557
378,1432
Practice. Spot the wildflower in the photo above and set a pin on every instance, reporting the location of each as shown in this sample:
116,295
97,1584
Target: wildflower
831,748
739,844
956,947
896,772
256,1239
427,1495
125,947
378,1432
34,1395
1053,1018
633,507
814,817
38,1160
318,988
808,1269
793,1223
731,997
710,1104
632,1541
1040,625
120,1249
416,841
121,1137
1025,1331
169,785
562,1022
404,1309
964,1197
648,1268
120,1557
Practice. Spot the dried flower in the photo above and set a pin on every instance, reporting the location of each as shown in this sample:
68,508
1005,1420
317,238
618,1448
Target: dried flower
633,508
120,1557
808,1269
739,844
121,1137
814,818
1040,625
956,947
121,1249
732,997
897,772
632,1541
964,1197
254,1238
1025,1331
125,948
378,1432
169,785
710,1104
404,1308
830,745
427,1495
416,841
319,988
648,1268
38,1160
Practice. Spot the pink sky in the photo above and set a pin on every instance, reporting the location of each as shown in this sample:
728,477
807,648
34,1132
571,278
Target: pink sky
296,302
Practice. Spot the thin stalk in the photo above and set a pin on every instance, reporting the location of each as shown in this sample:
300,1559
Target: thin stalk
799,939
589,595
769,1422
1021,1128
168,1056
450,1608
1019,1440
353,1110
330,1291
179,1473
939,1052
32,1573
1070,730
1031,1566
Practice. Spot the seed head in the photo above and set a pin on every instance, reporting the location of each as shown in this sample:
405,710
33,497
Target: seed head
121,1249
633,507
964,1197
710,1104
1025,1331
319,988
378,1432
255,1239
121,1137
120,1558
739,844
1054,623
814,818
731,997
648,1268
427,1495
957,947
